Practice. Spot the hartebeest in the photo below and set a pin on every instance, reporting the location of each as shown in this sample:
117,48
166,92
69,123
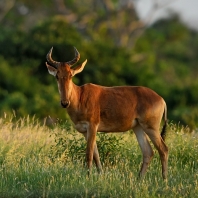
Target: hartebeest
95,108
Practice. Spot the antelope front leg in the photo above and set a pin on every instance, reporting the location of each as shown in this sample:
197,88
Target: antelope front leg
96,157
91,145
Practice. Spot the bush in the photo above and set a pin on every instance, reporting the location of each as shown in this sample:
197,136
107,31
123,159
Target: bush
69,146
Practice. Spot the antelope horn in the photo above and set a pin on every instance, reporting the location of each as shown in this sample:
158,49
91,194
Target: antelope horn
50,60
75,60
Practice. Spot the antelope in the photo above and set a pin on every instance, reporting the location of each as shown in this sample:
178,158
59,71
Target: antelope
94,108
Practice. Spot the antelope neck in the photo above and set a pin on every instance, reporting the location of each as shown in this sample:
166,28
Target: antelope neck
74,98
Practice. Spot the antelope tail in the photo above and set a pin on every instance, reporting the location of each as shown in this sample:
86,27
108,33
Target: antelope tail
163,133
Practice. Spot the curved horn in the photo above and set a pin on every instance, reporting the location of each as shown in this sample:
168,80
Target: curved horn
75,60
50,60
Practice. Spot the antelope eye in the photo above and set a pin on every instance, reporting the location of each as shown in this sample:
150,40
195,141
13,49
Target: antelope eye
56,77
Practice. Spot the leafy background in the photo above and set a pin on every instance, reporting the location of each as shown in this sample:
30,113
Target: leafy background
120,48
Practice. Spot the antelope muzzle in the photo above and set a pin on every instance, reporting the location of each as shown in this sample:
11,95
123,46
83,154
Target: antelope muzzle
65,103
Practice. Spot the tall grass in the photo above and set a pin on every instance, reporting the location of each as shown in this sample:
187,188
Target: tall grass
36,161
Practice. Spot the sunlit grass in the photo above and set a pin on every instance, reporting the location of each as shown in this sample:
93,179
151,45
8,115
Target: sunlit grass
26,168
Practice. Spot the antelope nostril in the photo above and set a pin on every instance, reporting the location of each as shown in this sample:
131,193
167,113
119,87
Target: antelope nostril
65,103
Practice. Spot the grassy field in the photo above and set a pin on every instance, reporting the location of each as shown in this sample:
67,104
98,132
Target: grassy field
37,161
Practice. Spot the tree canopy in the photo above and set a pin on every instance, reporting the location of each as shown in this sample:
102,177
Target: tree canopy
120,50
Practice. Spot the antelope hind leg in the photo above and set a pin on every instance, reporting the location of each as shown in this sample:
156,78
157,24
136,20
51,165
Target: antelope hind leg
160,145
146,149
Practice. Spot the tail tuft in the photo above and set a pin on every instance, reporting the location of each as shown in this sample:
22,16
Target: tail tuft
163,133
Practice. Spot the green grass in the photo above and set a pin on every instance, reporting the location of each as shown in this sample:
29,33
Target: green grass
36,161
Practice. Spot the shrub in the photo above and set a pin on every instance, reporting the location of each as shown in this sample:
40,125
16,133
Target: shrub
69,146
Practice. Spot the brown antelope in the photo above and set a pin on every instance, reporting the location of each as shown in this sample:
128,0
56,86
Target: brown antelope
95,108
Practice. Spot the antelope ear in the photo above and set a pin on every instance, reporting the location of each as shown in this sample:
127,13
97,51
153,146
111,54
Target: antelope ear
79,68
51,70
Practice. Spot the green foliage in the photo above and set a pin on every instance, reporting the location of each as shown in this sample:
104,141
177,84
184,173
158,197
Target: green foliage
67,147
109,147
164,58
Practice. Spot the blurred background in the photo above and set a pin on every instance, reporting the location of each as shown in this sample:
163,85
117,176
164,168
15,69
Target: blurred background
151,43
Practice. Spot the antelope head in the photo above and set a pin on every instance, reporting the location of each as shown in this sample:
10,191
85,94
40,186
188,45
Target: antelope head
64,72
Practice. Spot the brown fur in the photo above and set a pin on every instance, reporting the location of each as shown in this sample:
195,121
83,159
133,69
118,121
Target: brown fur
95,108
